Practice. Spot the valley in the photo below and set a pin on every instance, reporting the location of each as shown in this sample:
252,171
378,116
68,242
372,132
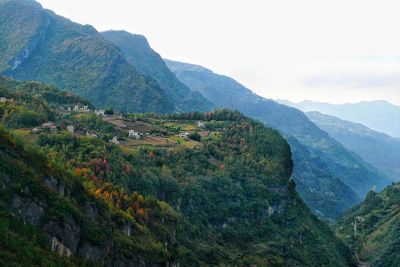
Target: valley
111,155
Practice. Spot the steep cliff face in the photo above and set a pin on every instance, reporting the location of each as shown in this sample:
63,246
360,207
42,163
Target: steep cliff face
325,170
65,220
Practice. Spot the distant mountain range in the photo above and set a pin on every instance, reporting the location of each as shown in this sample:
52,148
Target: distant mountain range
37,44
379,150
380,116
329,177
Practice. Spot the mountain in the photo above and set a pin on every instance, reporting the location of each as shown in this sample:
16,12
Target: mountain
330,178
139,53
372,229
222,197
36,44
379,115
378,149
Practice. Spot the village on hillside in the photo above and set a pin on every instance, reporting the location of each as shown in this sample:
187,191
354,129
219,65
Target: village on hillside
128,131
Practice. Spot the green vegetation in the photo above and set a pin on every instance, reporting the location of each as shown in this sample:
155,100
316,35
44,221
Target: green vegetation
330,178
372,229
30,104
74,58
378,149
228,200
139,53
36,44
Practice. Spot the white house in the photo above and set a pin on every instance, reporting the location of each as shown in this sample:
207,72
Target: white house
71,128
134,134
85,109
114,140
200,124
91,134
35,130
75,108
184,135
99,112
49,125
3,100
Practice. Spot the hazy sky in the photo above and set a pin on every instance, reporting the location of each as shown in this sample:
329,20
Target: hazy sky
329,50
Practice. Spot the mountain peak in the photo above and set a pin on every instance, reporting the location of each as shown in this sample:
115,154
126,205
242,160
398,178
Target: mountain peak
131,37
29,2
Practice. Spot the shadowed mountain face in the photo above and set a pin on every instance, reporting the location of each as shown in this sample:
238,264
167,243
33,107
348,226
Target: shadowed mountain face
378,149
139,53
36,44
325,171
380,116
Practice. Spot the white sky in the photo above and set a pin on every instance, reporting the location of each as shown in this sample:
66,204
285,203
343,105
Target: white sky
327,50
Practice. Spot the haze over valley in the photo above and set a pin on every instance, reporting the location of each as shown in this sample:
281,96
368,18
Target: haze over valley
170,133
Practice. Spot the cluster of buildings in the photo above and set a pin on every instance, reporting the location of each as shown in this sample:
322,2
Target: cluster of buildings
131,133
49,126
134,134
200,124
185,135
86,109
77,108
99,112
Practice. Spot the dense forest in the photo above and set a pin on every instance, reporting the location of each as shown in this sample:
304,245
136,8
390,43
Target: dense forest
372,229
221,196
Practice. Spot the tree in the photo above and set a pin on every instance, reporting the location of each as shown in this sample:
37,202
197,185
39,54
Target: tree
109,111
151,154
195,136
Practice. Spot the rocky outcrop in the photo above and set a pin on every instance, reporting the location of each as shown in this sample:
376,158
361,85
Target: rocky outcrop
66,236
28,211
57,246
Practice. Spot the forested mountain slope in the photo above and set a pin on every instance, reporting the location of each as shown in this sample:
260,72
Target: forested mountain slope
325,171
139,53
37,44
378,149
372,229
221,197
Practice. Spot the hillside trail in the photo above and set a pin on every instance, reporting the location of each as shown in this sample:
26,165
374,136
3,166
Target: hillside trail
361,263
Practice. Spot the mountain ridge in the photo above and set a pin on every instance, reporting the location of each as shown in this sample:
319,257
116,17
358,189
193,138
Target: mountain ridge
40,45
138,52
378,149
378,115
341,166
